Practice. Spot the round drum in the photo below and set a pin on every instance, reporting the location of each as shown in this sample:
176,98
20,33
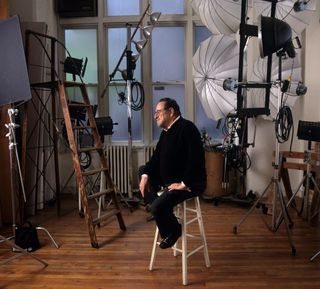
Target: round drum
214,167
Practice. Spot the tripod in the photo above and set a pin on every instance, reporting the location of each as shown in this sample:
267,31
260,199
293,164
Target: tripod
275,180
306,180
12,146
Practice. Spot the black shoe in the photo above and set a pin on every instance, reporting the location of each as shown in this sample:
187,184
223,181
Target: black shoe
170,240
148,209
150,218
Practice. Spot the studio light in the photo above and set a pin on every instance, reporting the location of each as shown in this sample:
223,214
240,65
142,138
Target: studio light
300,6
146,31
275,35
134,58
75,66
154,17
301,89
124,74
230,84
140,44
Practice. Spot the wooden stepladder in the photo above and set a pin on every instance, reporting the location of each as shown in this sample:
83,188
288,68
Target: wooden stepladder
80,172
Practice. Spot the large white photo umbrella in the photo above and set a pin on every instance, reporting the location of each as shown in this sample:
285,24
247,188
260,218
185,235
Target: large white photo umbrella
219,16
215,60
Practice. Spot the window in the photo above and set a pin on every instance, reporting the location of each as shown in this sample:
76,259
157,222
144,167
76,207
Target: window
168,66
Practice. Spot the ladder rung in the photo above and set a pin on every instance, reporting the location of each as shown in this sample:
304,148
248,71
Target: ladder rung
89,149
73,84
83,127
79,104
99,194
93,172
109,214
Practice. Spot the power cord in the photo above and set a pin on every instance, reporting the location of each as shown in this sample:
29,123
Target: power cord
137,97
284,124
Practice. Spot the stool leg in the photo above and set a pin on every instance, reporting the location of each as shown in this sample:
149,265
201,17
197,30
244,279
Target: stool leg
202,233
184,244
177,212
154,247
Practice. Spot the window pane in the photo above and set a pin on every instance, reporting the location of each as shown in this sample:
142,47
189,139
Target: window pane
82,43
122,7
168,54
168,6
118,113
74,94
202,121
173,91
117,39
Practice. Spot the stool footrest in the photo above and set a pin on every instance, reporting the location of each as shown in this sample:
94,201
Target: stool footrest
192,220
190,253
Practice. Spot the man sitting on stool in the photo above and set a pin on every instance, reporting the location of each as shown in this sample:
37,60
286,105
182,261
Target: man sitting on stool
178,163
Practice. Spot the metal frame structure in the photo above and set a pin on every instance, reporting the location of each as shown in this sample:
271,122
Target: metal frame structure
44,115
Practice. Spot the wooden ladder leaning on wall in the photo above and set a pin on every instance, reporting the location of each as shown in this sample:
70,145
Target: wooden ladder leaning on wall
80,172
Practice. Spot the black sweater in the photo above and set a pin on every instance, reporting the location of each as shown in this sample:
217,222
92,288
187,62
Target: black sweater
179,156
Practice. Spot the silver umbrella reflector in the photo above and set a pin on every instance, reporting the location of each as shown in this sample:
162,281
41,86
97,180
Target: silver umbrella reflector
216,60
219,16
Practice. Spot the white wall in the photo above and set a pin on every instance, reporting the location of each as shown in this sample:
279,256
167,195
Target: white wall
311,107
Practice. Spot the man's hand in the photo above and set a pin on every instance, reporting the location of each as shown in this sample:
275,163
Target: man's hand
178,186
144,184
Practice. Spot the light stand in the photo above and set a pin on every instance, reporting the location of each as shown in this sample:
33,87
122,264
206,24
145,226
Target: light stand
12,146
275,180
129,110
307,178
315,256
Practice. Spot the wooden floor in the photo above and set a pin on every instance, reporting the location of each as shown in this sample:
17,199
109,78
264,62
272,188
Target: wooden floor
254,258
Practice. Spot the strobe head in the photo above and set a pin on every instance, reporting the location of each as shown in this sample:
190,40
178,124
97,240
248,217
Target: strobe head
301,89
274,36
299,6
230,84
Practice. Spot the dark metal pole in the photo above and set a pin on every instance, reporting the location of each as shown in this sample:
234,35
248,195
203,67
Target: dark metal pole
129,110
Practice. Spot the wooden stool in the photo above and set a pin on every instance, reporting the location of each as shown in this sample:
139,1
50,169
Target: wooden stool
181,211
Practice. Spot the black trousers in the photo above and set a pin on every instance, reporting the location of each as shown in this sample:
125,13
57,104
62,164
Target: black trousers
155,186
162,206
162,210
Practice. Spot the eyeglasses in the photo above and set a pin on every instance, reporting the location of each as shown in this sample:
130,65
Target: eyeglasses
160,110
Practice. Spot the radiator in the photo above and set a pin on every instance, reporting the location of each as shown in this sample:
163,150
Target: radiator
117,156
148,151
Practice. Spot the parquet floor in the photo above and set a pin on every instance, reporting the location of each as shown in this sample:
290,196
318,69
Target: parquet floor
255,258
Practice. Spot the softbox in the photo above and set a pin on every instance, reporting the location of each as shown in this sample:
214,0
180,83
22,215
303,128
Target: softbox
14,79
